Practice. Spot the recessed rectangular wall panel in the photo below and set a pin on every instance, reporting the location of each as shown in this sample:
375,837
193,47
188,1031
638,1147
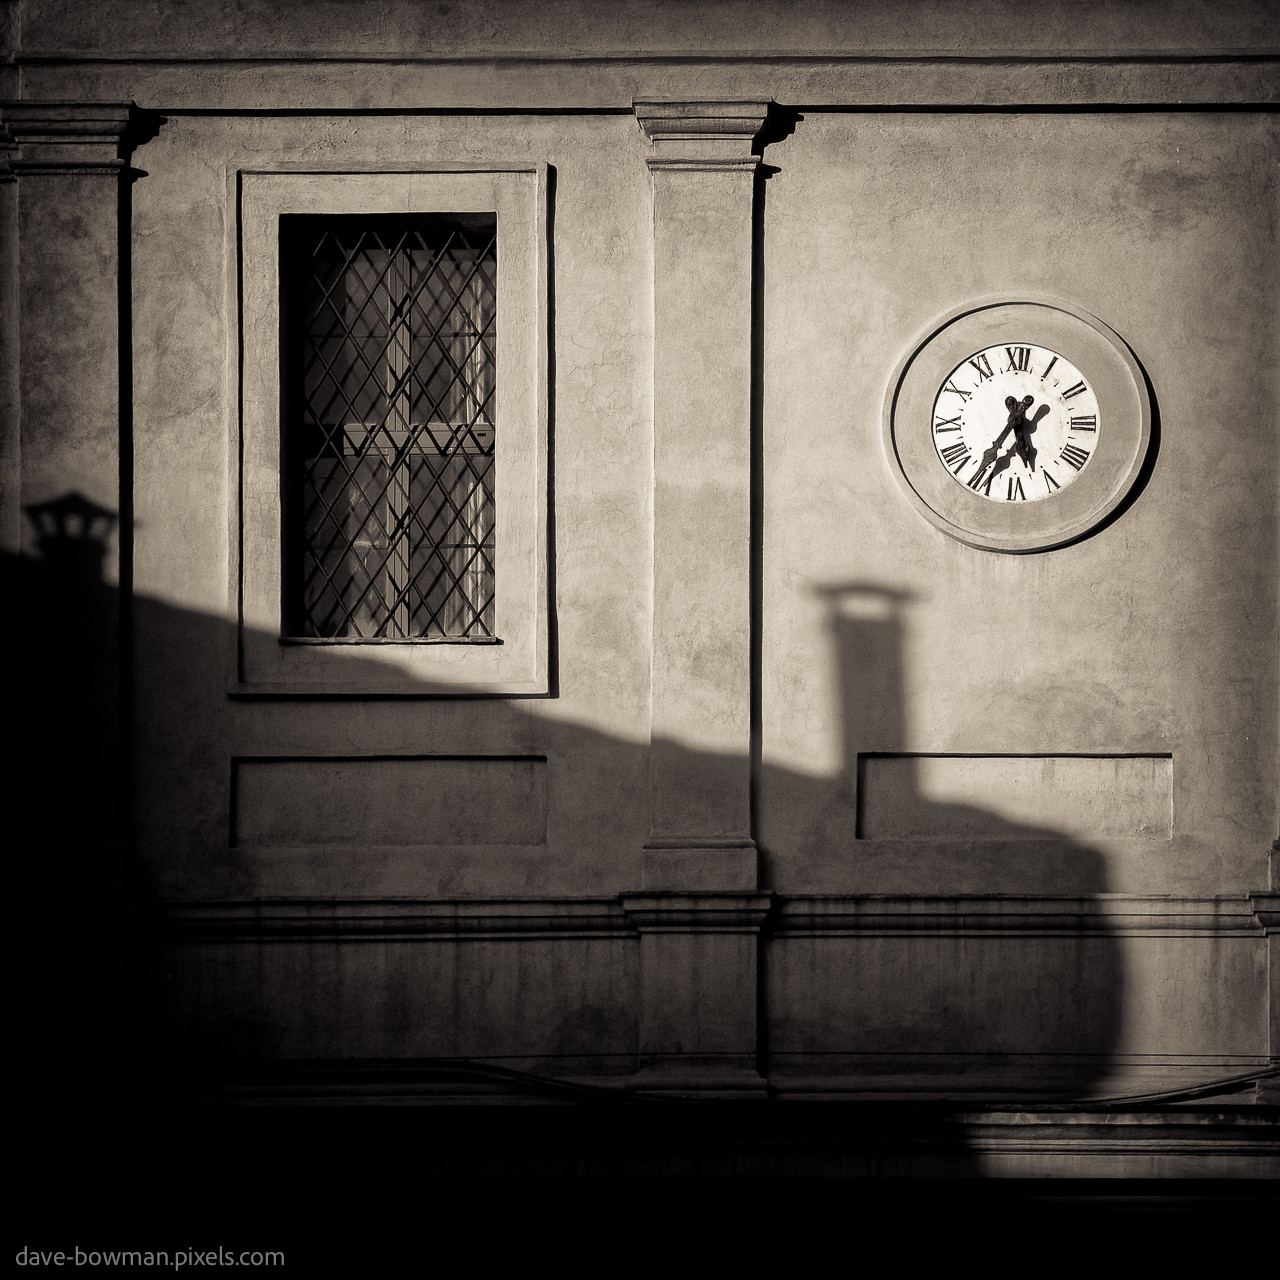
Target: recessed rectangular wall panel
932,797
380,800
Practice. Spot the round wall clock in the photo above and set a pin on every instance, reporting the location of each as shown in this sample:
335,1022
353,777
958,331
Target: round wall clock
1018,426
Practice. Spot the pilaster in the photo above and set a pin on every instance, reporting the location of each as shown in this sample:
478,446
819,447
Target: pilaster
703,161
699,911
67,448
71,161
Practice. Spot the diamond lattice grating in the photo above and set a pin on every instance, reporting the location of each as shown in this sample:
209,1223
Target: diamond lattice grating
391,442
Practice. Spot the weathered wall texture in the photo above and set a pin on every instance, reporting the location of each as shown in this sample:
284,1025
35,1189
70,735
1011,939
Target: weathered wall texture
780,700
1146,638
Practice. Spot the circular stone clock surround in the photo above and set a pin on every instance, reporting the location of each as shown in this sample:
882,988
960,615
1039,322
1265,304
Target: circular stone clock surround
1112,374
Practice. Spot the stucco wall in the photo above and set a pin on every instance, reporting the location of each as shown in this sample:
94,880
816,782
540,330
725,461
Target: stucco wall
1155,635
187,426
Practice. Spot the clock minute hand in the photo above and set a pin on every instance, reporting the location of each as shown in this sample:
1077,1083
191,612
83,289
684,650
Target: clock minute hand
1001,463
989,456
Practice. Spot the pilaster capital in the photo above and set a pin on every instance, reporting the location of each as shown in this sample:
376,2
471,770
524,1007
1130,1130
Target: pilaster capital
702,135
1266,907
71,137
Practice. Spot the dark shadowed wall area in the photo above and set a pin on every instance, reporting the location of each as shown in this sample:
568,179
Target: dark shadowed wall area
879,853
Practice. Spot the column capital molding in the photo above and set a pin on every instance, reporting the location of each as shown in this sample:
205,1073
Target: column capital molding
71,137
1266,907
702,135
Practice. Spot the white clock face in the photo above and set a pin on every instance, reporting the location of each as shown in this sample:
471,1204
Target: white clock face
1016,423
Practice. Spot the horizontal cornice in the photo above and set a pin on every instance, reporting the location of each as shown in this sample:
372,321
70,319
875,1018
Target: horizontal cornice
564,82
53,56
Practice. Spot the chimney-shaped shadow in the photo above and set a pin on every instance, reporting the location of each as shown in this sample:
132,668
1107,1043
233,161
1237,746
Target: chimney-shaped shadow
868,633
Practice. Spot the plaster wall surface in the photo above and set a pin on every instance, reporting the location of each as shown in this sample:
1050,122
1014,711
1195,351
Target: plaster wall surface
570,1002
278,54
185,430
124,28
1105,1003
1155,635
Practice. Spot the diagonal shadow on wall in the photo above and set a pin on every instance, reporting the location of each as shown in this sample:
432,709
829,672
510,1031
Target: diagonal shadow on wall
917,993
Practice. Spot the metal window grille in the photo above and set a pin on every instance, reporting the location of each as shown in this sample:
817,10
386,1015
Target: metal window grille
390,341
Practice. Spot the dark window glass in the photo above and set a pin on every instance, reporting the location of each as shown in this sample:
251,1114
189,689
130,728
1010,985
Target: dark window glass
388,447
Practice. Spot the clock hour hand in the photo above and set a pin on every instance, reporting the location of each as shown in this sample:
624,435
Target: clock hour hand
1025,449
1022,429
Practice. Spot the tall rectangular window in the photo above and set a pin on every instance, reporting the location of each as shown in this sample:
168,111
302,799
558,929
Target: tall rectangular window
389,343
390,533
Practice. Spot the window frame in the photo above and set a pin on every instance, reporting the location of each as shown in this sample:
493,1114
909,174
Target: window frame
267,662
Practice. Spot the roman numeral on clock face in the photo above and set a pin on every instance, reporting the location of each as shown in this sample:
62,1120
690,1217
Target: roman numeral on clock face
1015,493
947,424
955,456
1050,484
1074,391
1085,422
983,366
1019,359
1047,367
951,386
1074,456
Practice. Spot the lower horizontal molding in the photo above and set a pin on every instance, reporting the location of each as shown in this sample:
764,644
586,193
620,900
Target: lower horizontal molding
1069,1079
269,919
868,915
621,1134
667,1119
1107,915
1083,1079
1170,1143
